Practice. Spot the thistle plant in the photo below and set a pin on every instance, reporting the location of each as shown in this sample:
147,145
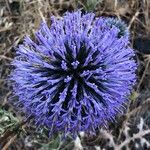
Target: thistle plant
76,75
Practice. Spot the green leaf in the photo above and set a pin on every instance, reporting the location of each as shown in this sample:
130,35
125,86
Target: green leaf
7,120
91,4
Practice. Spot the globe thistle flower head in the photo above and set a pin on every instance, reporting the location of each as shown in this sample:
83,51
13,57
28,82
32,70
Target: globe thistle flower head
76,75
120,25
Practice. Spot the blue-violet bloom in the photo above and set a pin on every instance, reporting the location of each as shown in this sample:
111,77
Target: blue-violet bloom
77,74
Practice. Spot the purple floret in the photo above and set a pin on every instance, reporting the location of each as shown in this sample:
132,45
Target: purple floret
77,74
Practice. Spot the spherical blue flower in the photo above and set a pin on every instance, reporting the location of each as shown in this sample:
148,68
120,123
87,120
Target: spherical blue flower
76,75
